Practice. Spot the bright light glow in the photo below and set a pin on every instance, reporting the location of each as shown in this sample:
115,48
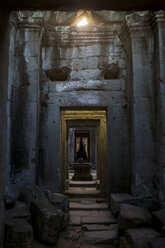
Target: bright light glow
83,22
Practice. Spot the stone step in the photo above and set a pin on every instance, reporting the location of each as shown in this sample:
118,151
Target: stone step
74,220
101,237
82,192
86,184
90,213
94,206
96,227
98,220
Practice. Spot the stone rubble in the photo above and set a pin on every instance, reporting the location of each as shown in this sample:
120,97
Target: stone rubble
132,216
18,234
47,221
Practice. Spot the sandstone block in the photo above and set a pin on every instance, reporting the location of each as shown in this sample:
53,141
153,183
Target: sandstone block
146,202
61,202
18,234
85,74
132,216
47,221
139,238
116,200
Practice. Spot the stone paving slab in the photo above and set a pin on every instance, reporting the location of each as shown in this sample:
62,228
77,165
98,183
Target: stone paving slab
96,227
94,206
98,220
103,237
82,192
90,213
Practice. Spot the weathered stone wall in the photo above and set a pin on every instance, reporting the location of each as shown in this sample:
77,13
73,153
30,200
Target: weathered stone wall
24,95
85,68
57,65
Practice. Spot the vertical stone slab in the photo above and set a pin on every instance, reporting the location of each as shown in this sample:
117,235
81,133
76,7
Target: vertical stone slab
137,36
159,84
26,95
4,48
10,99
53,170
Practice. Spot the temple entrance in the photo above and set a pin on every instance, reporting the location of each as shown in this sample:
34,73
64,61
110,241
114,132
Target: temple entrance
84,149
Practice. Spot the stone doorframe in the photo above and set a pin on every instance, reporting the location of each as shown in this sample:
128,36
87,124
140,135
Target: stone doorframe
77,115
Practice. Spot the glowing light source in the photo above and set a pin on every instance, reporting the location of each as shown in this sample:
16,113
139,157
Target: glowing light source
83,22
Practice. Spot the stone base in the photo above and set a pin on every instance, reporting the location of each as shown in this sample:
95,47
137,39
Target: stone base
82,172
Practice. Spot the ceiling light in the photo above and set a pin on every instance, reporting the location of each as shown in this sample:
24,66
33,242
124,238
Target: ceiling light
82,22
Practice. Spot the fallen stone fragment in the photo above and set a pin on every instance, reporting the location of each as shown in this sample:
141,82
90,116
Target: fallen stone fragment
140,237
61,202
132,216
18,234
101,237
158,218
151,203
116,200
47,221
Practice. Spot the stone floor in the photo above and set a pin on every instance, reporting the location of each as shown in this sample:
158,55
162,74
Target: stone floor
91,225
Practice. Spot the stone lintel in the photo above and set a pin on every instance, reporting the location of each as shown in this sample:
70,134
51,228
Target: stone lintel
33,23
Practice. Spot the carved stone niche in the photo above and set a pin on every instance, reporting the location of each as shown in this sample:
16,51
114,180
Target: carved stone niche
111,71
61,74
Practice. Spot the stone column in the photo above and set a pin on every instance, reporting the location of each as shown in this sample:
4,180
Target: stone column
159,83
26,96
137,37
4,54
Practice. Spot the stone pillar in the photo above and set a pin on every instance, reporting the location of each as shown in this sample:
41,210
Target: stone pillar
159,83
26,96
71,146
4,49
93,147
137,37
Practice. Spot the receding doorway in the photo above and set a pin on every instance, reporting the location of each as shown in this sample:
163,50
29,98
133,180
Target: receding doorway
88,127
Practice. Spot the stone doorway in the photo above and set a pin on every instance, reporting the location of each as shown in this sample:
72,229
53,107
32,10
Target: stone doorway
91,124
